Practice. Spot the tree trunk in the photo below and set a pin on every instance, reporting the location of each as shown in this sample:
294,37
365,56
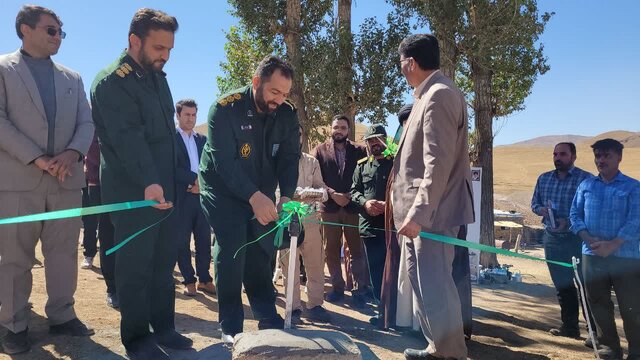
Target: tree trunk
481,76
292,40
345,50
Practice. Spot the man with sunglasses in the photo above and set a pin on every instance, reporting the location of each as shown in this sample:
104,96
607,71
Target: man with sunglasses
45,130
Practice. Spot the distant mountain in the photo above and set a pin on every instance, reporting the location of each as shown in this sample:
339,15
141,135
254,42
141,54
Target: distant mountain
551,140
628,138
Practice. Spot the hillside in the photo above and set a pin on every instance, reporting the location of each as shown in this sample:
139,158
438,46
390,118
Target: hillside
517,167
628,138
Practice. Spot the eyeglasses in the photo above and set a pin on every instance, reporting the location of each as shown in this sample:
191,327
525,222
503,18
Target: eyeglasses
405,59
52,31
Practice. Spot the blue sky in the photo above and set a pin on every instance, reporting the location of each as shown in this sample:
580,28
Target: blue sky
592,46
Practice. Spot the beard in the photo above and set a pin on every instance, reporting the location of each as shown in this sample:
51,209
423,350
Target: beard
148,64
338,138
376,150
560,166
262,105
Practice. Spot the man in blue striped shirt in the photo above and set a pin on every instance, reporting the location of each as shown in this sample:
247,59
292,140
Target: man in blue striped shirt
606,215
552,200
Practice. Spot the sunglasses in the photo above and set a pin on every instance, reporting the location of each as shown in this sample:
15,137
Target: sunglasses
51,31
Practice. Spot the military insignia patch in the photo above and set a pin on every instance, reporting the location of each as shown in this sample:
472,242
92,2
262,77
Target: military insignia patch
120,73
245,150
128,67
124,70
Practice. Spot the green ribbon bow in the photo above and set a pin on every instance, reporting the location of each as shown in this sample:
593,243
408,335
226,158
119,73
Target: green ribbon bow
392,148
288,209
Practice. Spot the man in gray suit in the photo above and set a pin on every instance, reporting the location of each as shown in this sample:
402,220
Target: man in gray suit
45,129
432,192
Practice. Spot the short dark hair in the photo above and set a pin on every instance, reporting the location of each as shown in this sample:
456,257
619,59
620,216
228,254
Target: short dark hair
423,48
30,15
572,146
146,19
608,145
342,117
186,102
271,63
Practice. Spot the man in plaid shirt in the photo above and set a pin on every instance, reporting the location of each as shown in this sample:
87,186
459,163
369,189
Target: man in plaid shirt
606,215
552,200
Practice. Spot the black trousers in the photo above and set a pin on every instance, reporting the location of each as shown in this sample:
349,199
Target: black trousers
562,247
376,251
144,272
623,275
90,197
191,220
251,267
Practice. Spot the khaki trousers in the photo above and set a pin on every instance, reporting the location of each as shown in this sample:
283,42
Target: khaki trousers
332,237
313,257
430,265
17,253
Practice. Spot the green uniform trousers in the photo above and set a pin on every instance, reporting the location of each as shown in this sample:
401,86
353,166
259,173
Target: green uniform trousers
252,267
144,273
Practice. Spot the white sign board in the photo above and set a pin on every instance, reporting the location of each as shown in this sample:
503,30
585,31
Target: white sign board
473,230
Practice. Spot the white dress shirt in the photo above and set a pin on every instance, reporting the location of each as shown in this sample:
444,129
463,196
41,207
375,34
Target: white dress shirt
192,149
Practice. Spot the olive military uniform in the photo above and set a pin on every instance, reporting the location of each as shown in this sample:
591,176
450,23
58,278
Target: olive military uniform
133,112
246,151
370,182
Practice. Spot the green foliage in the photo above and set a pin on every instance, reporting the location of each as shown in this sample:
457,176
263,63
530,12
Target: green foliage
377,84
243,53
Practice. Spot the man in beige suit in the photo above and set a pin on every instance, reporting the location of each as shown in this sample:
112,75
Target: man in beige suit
45,129
432,192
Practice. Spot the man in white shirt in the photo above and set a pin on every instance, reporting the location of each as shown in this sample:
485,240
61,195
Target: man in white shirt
191,219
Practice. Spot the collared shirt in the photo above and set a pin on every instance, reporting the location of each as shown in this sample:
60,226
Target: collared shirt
417,91
341,158
559,191
609,210
192,149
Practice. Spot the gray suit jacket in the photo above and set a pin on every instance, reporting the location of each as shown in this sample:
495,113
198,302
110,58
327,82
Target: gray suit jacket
432,178
23,124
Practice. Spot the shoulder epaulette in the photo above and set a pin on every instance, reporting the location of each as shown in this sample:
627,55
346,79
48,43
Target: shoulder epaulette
226,100
124,70
363,160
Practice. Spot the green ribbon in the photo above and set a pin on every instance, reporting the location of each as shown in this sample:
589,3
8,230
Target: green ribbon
288,209
392,148
69,213
91,210
467,244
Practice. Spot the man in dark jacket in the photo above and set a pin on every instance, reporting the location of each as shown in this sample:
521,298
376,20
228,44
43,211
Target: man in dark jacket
338,158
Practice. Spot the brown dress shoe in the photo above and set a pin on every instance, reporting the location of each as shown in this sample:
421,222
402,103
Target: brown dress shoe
207,287
190,290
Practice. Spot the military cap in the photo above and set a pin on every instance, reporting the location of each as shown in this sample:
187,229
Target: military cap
375,131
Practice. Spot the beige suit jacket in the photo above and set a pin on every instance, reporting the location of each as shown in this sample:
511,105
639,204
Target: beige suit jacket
432,178
23,124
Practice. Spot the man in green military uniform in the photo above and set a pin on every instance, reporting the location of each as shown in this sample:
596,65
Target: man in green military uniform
368,191
133,112
253,146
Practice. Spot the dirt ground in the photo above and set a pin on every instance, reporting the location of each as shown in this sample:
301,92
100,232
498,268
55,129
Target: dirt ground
510,322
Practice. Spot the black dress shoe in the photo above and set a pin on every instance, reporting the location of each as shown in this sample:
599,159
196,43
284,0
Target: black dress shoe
173,340
318,314
15,343
276,322
570,333
334,296
73,327
416,354
146,349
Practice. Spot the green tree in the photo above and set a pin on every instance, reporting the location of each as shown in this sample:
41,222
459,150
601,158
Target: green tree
336,71
494,46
